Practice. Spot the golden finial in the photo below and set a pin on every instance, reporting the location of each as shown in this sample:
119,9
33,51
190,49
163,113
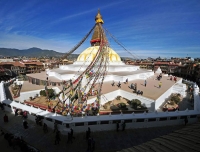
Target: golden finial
98,17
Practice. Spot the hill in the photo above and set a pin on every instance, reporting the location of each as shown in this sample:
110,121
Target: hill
31,52
37,52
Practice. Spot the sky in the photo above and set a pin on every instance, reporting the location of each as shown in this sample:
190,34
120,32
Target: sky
145,28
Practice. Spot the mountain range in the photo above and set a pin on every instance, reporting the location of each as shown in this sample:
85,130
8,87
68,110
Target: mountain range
31,52
36,52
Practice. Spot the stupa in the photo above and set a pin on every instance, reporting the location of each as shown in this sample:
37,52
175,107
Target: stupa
117,70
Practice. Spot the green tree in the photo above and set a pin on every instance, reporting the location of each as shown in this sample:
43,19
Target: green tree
176,99
135,103
50,93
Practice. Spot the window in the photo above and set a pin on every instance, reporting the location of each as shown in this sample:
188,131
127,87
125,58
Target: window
151,119
193,116
128,121
92,123
140,120
115,121
163,119
104,122
173,118
79,124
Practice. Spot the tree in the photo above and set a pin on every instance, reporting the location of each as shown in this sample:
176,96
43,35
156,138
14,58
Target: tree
135,103
122,105
176,99
50,93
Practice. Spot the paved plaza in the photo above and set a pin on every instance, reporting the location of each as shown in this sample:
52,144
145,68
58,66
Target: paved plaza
106,141
151,91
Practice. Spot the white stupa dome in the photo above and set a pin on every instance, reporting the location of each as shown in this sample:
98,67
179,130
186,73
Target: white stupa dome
89,54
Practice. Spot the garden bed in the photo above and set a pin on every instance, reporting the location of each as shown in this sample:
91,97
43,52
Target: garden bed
120,104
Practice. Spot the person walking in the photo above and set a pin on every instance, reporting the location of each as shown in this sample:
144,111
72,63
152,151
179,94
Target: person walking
72,133
131,86
145,83
89,131
127,81
186,120
89,144
113,84
25,114
5,118
25,124
93,144
69,138
135,89
175,79
57,138
45,129
119,85
160,84
36,119
2,106
123,126
117,125
55,127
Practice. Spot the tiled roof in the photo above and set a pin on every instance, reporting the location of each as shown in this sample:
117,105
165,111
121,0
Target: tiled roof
16,63
161,63
36,63
19,64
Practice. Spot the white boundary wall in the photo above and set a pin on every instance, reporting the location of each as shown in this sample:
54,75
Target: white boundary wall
107,122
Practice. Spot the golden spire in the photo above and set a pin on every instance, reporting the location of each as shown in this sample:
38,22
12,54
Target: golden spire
97,35
98,18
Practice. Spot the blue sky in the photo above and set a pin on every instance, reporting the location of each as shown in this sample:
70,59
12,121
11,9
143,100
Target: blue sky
146,28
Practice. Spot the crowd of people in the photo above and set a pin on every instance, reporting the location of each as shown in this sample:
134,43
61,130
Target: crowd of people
159,77
173,78
19,112
16,142
132,86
